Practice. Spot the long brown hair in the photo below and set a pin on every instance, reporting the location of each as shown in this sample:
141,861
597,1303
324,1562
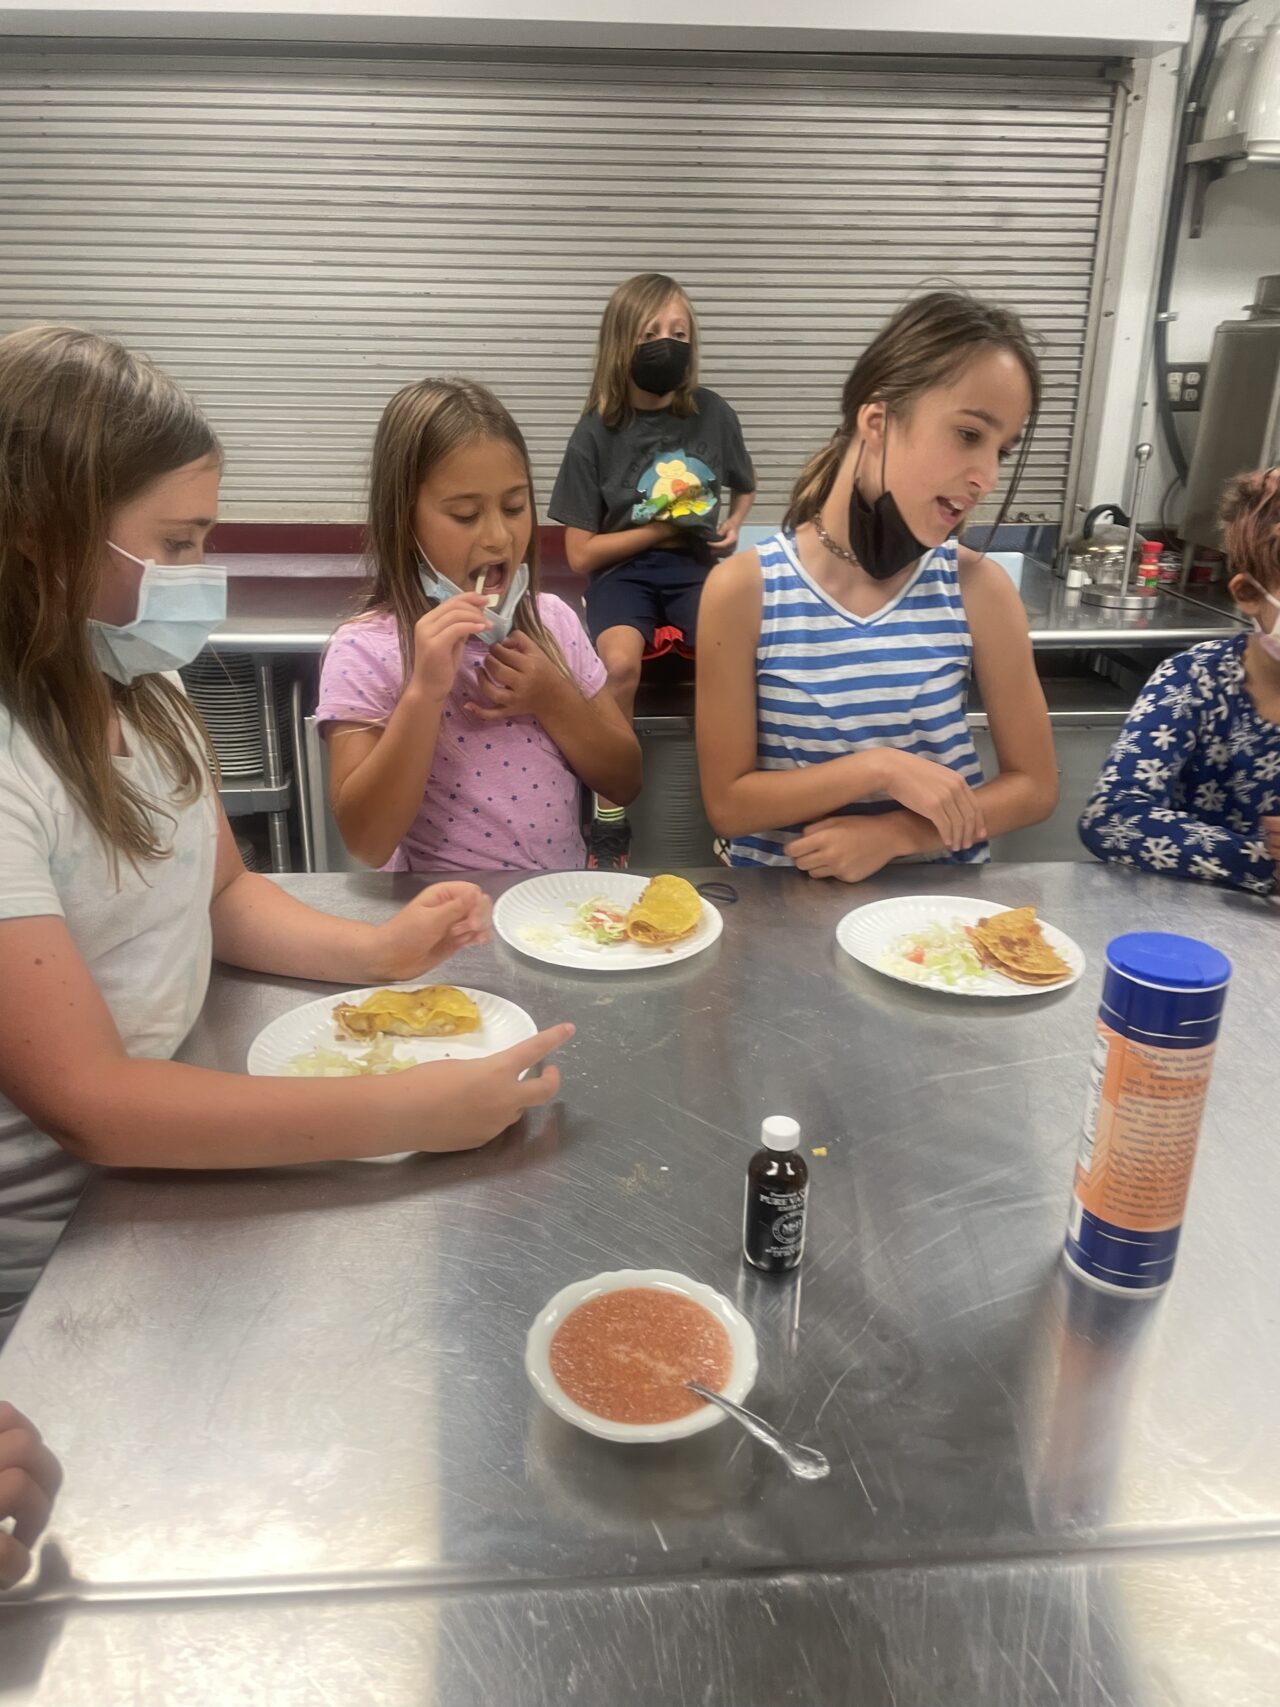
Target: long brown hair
1250,516
928,343
423,423
628,311
86,427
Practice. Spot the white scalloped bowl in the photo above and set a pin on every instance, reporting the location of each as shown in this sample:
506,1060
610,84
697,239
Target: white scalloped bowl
537,1355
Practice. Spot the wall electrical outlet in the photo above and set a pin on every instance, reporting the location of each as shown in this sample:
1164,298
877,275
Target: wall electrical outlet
1186,385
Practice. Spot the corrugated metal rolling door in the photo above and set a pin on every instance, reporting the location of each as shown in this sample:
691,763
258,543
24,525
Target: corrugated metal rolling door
296,236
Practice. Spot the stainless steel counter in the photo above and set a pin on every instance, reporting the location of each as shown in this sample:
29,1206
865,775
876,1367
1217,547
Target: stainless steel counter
298,614
303,1462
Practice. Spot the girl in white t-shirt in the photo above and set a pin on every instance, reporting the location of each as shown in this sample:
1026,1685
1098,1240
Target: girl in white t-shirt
119,876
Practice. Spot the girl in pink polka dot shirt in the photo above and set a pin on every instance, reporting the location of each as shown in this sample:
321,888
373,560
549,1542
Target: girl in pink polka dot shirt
463,708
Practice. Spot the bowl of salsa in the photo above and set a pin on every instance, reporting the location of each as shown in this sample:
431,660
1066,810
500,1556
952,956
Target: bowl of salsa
612,1354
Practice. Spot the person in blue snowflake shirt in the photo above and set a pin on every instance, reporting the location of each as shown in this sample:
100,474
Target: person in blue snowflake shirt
1191,787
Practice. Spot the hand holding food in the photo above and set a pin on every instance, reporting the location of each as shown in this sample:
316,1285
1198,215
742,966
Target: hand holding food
439,637
435,924
30,1476
936,792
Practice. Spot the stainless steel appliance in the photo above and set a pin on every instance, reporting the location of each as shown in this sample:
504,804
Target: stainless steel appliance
1240,419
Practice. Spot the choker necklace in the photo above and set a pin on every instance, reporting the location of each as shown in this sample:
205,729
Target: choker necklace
831,545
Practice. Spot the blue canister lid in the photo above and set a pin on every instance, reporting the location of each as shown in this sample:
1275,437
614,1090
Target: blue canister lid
1169,962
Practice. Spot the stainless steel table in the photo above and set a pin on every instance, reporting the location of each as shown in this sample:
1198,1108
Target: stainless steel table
297,614
303,1463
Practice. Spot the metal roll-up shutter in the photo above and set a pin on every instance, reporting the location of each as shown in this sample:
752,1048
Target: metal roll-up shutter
294,237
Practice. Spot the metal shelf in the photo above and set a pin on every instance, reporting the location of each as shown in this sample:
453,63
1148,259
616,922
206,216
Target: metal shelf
1214,159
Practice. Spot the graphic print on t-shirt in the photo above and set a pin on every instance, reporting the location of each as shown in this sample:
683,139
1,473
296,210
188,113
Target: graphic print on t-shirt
675,487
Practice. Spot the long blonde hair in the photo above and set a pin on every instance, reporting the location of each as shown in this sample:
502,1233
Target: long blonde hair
629,310
86,427
927,343
423,423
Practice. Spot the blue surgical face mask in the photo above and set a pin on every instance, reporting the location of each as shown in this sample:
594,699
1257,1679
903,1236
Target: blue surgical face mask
178,609
501,616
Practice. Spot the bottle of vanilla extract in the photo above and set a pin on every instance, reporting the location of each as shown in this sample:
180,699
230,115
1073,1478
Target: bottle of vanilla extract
777,1185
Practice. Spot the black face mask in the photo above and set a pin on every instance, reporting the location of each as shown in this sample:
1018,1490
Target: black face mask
881,540
658,366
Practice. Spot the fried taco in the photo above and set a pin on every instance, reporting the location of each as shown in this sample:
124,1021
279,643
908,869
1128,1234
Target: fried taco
436,1010
1013,944
668,909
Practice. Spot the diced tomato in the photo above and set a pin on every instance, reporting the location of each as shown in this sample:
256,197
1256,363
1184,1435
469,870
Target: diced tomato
916,955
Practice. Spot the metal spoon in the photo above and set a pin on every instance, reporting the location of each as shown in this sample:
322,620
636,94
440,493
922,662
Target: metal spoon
803,1461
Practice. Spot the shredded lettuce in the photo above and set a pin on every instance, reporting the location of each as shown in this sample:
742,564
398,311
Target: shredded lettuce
938,953
599,921
379,1058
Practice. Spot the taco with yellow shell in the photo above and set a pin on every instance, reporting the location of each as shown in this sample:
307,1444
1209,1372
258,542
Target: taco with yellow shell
668,910
436,1010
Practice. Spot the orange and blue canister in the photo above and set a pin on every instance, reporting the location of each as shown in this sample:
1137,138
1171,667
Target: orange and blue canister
1157,1026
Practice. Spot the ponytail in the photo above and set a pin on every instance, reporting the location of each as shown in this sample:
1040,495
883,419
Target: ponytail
813,487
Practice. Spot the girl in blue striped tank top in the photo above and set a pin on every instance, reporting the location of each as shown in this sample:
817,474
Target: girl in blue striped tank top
834,661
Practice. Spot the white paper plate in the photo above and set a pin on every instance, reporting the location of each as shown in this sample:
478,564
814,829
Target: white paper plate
547,903
311,1026
868,933
537,1355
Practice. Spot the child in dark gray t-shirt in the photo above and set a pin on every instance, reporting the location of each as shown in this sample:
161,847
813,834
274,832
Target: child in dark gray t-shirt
655,484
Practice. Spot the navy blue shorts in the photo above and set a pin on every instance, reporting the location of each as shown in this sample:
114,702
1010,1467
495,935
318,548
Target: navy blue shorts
658,589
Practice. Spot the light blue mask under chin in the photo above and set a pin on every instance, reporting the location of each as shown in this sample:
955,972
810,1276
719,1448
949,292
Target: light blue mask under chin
501,616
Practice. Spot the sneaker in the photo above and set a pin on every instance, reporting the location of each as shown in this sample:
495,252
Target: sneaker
608,845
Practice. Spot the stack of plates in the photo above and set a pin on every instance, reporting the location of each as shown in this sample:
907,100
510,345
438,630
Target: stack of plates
225,693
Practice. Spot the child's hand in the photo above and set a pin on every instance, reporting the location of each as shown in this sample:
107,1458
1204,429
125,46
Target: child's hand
517,679
434,925
938,793
725,543
440,635
847,848
30,1476
459,1105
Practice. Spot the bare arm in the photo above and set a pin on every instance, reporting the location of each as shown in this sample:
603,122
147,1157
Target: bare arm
740,799
257,925
586,552
600,745
740,508
597,741
1026,789
63,1063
